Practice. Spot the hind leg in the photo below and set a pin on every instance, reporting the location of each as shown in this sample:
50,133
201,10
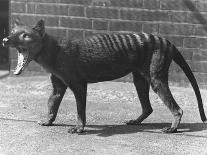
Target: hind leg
160,86
142,87
159,67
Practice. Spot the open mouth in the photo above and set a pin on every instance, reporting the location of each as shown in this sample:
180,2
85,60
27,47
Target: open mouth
22,62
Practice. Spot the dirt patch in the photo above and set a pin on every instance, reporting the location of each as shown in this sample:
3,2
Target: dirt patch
24,101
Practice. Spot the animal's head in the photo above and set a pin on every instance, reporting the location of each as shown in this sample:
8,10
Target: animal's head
28,42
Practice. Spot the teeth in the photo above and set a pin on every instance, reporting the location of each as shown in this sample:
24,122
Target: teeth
22,60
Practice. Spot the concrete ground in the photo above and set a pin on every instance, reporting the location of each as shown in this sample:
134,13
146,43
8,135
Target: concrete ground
23,101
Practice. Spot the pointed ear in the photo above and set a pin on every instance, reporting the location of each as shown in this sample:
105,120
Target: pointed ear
40,27
17,22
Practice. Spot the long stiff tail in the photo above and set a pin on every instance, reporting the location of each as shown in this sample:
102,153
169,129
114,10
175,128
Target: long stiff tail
179,60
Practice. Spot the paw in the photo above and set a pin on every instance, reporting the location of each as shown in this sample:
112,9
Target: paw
133,122
169,130
75,130
45,123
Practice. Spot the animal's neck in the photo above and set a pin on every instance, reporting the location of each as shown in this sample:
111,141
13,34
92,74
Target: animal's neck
48,54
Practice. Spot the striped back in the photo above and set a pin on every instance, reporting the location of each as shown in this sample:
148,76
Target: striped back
126,41
128,46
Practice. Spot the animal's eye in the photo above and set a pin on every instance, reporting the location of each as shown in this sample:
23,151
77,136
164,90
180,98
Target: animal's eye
24,35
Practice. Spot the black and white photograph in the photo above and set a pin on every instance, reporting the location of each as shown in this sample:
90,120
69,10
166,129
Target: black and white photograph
103,77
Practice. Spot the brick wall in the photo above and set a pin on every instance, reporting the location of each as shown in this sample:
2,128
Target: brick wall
181,21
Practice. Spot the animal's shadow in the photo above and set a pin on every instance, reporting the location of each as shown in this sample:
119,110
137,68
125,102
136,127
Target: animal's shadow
110,130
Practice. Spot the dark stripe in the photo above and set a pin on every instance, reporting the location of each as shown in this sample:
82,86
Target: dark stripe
108,46
129,43
90,42
111,42
143,38
170,46
157,42
131,38
152,41
136,42
166,52
161,45
95,42
124,49
102,42
114,40
117,42
145,49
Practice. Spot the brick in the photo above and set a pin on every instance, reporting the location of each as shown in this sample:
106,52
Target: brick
197,18
141,15
88,34
199,66
75,34
100,25
200,55
18,1
18,7
76,11
50,21
179,79
178,29
125,26
127,3
190,5
201,6
201,30
127,14
104,3
176,40
151,4
191,42
150,28
76,22
98,12
82,2
179,17
195,43
203,43
118,3
57,33
32,20
187,53
201,78
45,1
175,69
52,9
177,5
31,8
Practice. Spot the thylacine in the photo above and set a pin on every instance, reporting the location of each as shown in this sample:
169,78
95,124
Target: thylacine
100,58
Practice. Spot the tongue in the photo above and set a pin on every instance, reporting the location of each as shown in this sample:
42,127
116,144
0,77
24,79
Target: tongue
22,61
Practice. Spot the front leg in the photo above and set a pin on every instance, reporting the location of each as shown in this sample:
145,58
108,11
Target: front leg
54,101
80,90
